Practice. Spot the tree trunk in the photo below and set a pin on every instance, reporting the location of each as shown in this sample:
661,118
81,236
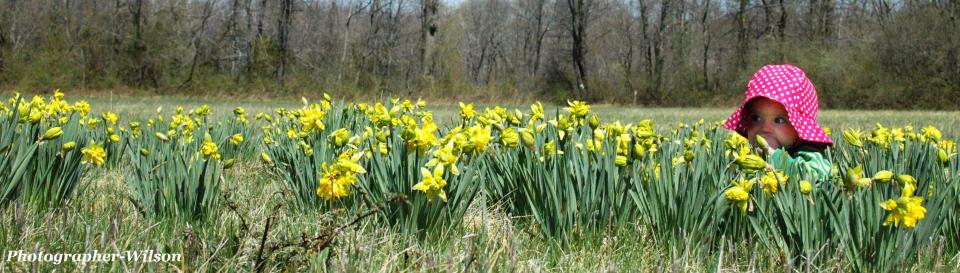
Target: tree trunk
742,35
579,11
197,49
139,46
3,42
283,38
706,44
428,32
658,58
645,47
782,32
767,21
827,10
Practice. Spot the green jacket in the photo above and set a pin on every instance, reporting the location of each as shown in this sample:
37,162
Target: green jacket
811,165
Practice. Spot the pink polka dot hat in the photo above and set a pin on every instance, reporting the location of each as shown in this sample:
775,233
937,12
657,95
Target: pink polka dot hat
788,85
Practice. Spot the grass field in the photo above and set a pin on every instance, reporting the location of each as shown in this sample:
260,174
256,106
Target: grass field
947,121
258,230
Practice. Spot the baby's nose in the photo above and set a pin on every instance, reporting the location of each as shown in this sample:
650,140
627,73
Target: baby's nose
766,126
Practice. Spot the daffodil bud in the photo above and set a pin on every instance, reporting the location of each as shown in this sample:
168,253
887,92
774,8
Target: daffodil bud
228,164
737,194
907,179
864,182
751,163
162,137
942,154
69,146
853,176
639,151
408,133
852,137
144,152
883,176
382,135
52,133
527,139
266,158
620,161
35,117
594,121
805,187
688,156
762,142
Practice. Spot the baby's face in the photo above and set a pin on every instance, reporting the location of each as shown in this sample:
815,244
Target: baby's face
769,119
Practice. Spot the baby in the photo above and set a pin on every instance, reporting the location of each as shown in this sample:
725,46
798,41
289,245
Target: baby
781,106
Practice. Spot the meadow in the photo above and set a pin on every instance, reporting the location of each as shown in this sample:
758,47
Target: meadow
323,185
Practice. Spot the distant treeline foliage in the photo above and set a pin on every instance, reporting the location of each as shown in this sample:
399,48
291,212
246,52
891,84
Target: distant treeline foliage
859,53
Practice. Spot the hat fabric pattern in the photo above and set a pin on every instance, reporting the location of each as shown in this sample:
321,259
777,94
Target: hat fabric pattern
789,86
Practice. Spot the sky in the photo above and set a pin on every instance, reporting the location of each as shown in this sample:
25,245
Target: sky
452,2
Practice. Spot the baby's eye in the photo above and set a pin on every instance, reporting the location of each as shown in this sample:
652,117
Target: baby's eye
780,120
755,118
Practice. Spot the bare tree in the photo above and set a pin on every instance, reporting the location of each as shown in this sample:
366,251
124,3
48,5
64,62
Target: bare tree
428,32
579,19
706,43
534,27
284,24
743,39
198,36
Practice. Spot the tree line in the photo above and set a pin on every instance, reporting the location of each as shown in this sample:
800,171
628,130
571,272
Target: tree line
859,53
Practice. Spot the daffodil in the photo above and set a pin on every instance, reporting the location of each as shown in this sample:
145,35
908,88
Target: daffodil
620,160
805,187
734,142
931,133
336,180
82,107
479,136
883,176
550,149
527,139
510,138
93,154
466,111
751,163
772,180
209,149
236,139
853,177
266,158
69,146
312,120
852,137
329,187
880,136
578,109
340,137
109,117
536,112
432,183
161,136
447,157
52,133
739,193
906,210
